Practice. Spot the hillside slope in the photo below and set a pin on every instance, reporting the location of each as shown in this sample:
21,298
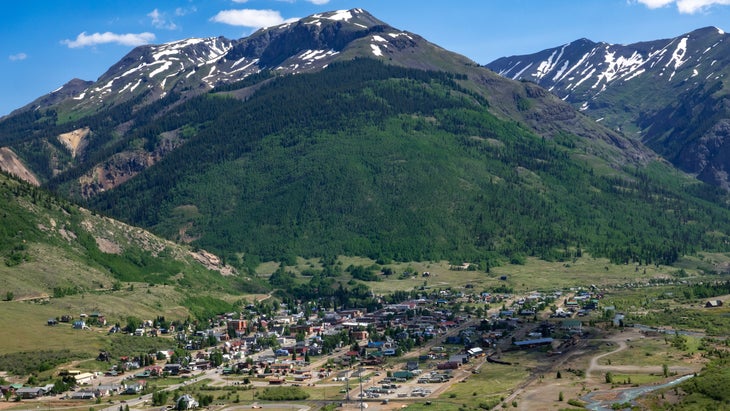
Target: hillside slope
369,159
52,248
671,94
381,144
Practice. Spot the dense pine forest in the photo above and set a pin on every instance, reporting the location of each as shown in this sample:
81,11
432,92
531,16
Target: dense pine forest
393,163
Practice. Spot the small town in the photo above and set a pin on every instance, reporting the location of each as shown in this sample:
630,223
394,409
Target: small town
407,351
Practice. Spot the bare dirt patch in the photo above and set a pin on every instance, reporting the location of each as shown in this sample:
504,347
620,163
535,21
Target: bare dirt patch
10,163
74,140
107,246
212,262
543,391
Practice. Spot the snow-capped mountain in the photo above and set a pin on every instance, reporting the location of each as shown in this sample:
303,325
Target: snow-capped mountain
94,137
668,93
581,70
196,65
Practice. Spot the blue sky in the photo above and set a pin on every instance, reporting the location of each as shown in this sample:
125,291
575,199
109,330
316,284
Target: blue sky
46,43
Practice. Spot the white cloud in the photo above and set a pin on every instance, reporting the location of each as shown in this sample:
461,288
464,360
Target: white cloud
129,39
319,2
160,21
685,6
184,11
250,18
240,1
655,4
18,57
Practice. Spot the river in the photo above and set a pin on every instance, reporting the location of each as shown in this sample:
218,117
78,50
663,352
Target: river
626,395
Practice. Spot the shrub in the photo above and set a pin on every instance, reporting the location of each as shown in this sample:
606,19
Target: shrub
283,394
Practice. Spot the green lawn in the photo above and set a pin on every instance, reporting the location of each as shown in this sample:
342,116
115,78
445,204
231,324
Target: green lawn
492,381
646,352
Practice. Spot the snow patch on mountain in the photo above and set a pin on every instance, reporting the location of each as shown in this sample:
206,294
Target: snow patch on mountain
396,35
312,55
340,15
165,65
548,65
519,73
679,54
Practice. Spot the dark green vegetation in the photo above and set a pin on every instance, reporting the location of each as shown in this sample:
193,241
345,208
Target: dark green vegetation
674,306
709,388
368,159
392,163
283,394
39,231
25,363
685,120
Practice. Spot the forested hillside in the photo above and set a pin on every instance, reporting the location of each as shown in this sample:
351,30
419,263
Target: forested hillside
393,163
51,247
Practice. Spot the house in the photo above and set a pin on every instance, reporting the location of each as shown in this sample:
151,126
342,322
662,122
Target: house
186,402
449,365
534,343
460,358
7,388
572,325
134,388
80,325
475,352
84,378
172,369
30,392
360,335
106,390
239,326
713,304
84,394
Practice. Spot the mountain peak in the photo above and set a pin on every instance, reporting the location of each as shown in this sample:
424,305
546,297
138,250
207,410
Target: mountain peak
195,65
711,30
612,84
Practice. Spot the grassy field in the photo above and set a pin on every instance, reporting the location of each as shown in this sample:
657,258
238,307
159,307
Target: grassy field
50,267
650,352
23,324
23,328
637,379
535,274
545,275
493,381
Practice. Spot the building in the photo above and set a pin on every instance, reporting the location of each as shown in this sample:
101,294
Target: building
83,378
186,402
534,343
30,392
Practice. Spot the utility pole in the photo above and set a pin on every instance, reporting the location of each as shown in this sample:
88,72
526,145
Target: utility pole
362,393
347,379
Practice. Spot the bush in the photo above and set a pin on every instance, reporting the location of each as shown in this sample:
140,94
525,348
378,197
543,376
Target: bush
159,398
24,363
283,394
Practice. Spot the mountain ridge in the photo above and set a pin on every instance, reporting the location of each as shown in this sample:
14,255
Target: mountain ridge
643,90
358,139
